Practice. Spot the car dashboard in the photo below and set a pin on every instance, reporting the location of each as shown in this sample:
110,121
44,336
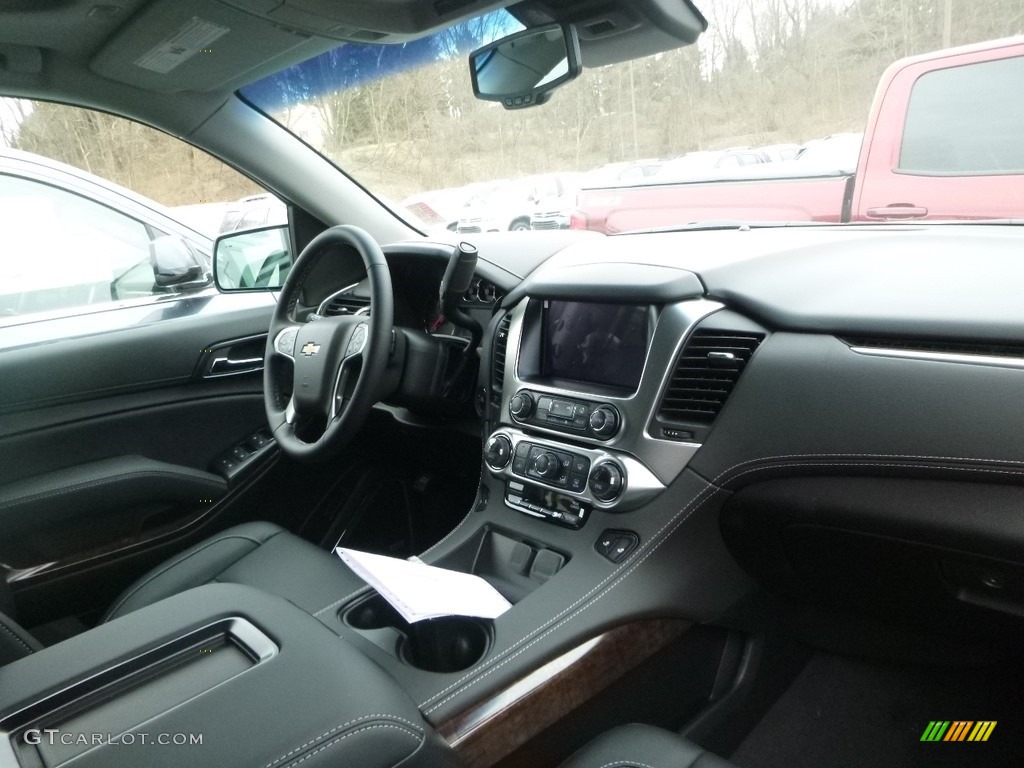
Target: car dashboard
673,423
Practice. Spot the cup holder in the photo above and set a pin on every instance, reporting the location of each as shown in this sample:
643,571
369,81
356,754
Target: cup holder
450,644
447,644
373,613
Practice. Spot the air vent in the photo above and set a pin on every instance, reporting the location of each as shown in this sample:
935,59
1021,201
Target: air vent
346,304
498,355
705,374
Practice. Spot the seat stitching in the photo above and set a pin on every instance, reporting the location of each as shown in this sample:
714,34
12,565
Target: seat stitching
337,728
16,636
179,561
658,539
81,486
400,728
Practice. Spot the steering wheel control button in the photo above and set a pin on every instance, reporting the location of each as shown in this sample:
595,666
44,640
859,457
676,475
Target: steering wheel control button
358,341
498,452
606,481
604,421
521,406
285,341
616,545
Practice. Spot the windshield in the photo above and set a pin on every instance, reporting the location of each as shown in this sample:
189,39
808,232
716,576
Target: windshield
772,91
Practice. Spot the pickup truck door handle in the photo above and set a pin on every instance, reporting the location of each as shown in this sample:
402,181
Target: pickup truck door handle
897,211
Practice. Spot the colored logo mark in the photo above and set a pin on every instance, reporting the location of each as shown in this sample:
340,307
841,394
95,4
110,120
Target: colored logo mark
958,730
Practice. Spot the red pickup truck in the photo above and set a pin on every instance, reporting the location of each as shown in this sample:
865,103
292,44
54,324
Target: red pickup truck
944,140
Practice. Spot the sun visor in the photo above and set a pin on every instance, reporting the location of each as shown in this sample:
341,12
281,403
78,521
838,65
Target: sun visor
185,45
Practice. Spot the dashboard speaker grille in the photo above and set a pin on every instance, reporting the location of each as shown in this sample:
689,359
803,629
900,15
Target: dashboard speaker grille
706,372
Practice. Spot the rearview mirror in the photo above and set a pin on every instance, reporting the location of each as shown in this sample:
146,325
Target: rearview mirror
258,259
522,70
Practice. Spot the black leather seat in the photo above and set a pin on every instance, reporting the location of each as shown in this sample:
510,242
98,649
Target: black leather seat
15,642
643,746
260,555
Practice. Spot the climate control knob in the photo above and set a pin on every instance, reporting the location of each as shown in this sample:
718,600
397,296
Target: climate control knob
521,406
547,465
498,452
606,481
604,421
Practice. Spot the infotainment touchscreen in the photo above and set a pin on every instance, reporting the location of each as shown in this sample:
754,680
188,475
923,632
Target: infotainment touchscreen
595,343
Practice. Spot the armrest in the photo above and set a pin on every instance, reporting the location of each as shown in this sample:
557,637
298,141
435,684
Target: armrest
248,678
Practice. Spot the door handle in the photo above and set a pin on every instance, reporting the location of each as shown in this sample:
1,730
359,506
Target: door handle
226,366
897,211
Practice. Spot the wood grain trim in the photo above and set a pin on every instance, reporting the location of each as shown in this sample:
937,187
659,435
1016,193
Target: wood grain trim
493,729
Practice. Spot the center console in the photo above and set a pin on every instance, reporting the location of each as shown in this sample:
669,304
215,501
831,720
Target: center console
579,387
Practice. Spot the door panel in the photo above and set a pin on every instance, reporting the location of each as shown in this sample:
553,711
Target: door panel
110,446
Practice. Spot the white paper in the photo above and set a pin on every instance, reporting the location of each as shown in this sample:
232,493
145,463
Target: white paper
419,591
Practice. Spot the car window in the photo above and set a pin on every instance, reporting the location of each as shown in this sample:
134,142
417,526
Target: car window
97,210
253,218
960,121
60,250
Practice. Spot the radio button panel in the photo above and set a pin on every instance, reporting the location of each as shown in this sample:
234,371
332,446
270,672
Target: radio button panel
586,418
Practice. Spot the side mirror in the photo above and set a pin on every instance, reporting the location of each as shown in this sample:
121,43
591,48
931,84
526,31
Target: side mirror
176,265
257,259
522,70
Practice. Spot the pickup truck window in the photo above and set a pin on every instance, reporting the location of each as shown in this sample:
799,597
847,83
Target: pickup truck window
962,121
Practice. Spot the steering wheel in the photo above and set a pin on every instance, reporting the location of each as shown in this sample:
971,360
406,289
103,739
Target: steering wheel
336,363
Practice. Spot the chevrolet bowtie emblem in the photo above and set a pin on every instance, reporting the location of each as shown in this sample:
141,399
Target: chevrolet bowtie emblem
309,349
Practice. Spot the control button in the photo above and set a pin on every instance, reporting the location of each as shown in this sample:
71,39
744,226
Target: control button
259,439
577,483
606,481
580,464
498,451
579,422
604,421
521,406
547,465
581,410
616,545
519,465
226,466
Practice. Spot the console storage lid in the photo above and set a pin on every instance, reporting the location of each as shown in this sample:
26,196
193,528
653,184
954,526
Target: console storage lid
221,675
